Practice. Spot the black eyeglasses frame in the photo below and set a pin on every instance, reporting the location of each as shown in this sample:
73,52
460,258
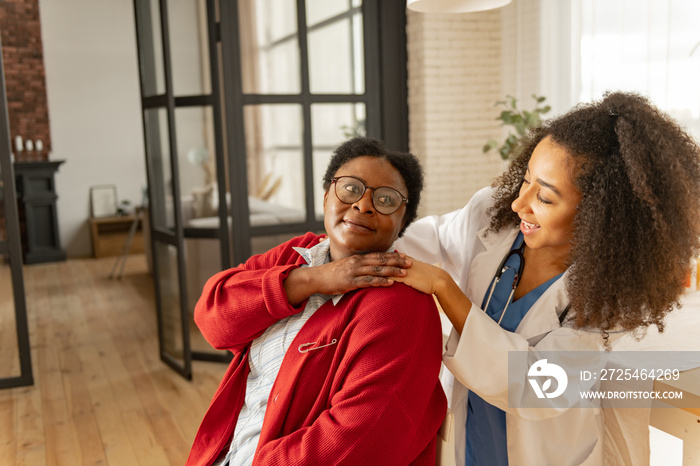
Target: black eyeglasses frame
404,199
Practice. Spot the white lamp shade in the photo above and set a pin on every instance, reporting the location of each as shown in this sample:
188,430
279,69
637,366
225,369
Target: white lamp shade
454,6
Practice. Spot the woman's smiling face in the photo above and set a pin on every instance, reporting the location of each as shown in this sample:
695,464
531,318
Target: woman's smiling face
548,198
358,228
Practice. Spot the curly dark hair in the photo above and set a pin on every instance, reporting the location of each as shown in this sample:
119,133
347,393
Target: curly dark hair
408,166
637,226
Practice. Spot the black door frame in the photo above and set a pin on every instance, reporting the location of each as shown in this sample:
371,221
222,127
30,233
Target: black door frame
12,247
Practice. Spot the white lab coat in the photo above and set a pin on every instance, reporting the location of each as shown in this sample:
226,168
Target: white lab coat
479,358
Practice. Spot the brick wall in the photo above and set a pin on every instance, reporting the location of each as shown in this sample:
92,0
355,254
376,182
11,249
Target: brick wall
25,83
455,76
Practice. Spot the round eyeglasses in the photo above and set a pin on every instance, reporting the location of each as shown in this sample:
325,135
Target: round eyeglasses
385,200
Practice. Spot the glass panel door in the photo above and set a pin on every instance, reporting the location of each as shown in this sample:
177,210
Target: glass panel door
299,83
336,49
15,358
182,129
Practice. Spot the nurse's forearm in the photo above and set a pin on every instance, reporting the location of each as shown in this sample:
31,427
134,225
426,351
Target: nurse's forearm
453,302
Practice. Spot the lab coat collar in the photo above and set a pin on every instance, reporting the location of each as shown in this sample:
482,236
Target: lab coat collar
535,325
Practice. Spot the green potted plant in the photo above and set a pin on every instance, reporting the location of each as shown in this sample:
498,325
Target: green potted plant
520,121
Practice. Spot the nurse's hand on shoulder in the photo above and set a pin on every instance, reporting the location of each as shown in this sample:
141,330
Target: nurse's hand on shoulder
347,274
434,280
424,277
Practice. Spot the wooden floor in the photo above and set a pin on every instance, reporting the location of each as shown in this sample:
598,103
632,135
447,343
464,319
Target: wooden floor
101,395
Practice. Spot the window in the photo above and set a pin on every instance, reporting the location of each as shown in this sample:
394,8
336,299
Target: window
647,46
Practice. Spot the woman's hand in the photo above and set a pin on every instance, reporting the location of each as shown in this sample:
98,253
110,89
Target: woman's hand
434,280
343,275
424,277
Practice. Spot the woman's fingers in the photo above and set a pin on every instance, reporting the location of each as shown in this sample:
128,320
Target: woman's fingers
377,269
365,281
347,274
381,260
362,271
396,259
377,266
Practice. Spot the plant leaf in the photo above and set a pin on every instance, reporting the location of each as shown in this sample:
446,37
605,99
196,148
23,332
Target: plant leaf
506,117
519,120
532,120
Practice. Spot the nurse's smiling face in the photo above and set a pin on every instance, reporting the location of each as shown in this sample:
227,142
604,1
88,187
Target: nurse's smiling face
547,201
358,228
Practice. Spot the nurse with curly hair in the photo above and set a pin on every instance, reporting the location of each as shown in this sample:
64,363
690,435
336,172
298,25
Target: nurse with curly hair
601,205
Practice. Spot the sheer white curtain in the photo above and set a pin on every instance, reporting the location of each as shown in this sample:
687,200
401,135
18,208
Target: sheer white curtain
647,46
540,52
573,51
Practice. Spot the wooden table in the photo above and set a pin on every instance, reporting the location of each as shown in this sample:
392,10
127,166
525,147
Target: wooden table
110,233
682,419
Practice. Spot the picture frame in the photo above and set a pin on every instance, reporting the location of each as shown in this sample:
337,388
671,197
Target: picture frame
103,201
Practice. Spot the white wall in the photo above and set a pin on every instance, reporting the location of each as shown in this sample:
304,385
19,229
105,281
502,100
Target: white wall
94,107
94,103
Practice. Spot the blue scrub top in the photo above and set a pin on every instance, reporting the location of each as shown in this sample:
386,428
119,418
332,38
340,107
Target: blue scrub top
486,424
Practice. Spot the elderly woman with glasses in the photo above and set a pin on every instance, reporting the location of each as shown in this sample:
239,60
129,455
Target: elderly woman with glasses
326,368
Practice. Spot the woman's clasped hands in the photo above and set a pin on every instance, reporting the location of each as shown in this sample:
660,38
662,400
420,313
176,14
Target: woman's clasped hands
347,274
364,270
378,269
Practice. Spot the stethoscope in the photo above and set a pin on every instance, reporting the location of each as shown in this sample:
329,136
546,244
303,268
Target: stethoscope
518,252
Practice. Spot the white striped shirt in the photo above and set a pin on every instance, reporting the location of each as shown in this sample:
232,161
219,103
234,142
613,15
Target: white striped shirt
265,358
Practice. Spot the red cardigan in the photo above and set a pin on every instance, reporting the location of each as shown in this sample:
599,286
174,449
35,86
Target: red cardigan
371,398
